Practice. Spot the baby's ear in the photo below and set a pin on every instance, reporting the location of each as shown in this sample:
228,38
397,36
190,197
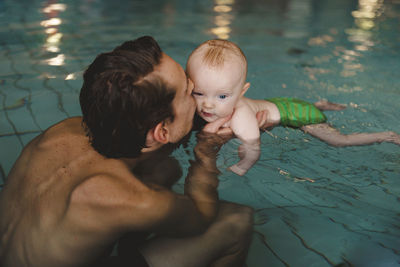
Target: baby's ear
245,88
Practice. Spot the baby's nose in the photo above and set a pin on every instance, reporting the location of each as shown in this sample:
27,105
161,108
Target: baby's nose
208,103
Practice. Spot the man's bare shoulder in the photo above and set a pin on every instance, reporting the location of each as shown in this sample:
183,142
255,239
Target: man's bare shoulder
98,178
66,131
117,198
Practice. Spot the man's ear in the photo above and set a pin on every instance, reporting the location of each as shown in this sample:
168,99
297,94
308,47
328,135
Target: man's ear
245,88
156,137
160,133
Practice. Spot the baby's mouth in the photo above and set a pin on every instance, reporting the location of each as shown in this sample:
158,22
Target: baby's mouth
206,114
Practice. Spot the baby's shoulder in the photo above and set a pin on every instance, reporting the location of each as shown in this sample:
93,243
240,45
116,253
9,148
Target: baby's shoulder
245,105
259,104
244,122
244,114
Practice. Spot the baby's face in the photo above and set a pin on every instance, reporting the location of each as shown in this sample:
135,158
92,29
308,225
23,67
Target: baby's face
216,90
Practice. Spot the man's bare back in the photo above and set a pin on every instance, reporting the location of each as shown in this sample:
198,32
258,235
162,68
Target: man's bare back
57,173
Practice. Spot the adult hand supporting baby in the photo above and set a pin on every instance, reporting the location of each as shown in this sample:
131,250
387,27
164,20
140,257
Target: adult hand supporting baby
262,118
216,126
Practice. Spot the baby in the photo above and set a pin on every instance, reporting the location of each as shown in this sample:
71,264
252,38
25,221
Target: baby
218,69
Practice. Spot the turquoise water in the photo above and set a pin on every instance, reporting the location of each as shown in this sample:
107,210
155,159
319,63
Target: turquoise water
315,205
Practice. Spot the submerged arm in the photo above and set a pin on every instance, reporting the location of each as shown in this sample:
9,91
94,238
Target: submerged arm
198,207
244,124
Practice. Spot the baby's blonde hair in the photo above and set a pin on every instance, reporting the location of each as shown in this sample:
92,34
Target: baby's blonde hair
215,52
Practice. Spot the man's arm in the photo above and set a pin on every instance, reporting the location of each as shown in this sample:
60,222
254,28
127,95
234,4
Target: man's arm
124,203
197,208
202,181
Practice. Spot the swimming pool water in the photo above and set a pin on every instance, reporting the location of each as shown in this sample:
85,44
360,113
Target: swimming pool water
315,205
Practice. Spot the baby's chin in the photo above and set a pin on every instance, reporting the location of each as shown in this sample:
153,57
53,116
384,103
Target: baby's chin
209,119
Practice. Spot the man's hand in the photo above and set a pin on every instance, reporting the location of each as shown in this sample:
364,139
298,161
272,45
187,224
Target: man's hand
212,137
216,126
262,118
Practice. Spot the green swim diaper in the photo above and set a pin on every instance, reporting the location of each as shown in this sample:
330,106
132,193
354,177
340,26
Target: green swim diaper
296,113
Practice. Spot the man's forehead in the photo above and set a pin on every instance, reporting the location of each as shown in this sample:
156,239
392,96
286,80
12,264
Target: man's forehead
169,71
166,63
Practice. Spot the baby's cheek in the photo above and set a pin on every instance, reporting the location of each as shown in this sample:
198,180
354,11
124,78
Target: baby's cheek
198,109
198,104
226,112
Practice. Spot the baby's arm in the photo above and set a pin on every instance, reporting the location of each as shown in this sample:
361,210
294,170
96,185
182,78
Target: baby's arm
244,125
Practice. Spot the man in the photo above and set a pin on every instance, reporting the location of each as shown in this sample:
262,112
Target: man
71,194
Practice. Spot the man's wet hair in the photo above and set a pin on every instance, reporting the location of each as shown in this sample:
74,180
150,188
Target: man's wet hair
121,100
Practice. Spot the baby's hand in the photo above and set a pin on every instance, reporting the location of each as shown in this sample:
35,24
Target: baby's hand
249,153
236,169
217,127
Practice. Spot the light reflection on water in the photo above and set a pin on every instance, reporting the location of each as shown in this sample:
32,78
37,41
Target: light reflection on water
364,19
223,18
54,36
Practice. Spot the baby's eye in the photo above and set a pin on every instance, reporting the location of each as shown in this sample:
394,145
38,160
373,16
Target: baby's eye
196,94
222,96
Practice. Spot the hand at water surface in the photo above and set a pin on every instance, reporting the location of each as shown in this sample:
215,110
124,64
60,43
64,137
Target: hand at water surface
262,118
217,126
